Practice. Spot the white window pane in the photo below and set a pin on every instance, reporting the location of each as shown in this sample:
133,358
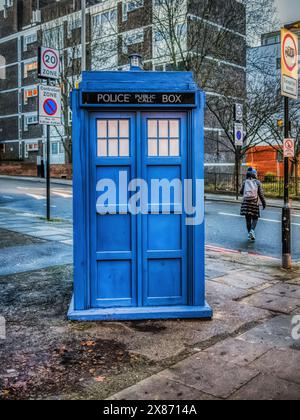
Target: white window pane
113,147
112,129
152,147
174,128
152,128
164,128
124,128
102,129
174,147
102,148
124,148
163,147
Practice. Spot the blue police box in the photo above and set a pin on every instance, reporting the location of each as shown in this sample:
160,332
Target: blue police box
138,152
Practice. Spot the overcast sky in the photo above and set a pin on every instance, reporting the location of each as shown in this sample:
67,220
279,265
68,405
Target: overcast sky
289,10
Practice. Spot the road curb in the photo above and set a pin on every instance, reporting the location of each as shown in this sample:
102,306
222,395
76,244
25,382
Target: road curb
232,201
37,180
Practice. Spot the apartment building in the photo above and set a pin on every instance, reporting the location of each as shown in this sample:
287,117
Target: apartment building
115,29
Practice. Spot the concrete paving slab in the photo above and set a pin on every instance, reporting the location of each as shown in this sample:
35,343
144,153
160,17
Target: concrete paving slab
237,352
160,387
275,303
217,292
285,290
276,332
284,364
33,257
210,375
229,318
267,387
246,279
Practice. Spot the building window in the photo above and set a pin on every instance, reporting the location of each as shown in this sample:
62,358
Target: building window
163,138
130,6
54,37
113,138
54,148
73,24
32,147
74,53
132,38
29,39
104,23
30,120
30,93
29,67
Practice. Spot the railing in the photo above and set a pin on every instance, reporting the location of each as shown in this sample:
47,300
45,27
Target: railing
218,183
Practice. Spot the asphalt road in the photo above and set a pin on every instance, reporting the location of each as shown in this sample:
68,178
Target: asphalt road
30,197
225,228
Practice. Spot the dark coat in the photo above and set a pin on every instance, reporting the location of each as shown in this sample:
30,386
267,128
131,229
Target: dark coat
250,207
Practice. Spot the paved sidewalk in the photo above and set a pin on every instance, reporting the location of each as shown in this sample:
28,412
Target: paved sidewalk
247,351
30,224
250,350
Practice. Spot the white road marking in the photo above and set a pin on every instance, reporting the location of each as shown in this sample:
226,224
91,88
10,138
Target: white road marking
60,194
36,197
262,219
7,197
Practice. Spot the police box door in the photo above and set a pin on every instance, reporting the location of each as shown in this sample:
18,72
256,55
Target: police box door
112,235
164,232
138,260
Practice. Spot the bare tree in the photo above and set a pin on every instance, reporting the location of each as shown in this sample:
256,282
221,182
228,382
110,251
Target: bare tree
262,18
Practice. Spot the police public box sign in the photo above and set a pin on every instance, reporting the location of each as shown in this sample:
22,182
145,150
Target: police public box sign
140,98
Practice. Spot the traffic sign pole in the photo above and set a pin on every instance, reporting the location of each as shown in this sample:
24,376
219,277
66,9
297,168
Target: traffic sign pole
286,211
48,170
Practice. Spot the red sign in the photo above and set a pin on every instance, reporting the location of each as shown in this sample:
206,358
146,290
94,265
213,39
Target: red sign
289,148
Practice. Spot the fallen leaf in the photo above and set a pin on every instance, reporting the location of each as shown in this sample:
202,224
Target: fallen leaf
100,379
88,343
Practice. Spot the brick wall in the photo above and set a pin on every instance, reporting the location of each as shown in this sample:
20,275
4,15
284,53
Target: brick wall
30,169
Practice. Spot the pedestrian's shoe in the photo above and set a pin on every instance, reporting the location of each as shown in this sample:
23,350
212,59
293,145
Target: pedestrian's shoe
249,237
252,235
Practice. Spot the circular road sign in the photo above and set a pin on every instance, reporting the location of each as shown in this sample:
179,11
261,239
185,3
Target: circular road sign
50,59
290,52
50,107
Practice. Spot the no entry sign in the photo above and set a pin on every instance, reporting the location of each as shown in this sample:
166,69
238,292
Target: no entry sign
49,64
289,148
49,105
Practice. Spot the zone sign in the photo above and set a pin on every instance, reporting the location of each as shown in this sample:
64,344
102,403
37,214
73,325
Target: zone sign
50,105
49,63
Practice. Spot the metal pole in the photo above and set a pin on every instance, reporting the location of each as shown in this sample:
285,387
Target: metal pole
286,212
48,174
83,35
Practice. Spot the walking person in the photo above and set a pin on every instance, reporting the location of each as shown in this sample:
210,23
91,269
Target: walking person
253,194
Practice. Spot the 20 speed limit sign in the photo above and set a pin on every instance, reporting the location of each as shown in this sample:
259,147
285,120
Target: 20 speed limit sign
49,64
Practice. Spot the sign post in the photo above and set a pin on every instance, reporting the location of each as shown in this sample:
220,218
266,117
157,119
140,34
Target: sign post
238,140
289,89
49,104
